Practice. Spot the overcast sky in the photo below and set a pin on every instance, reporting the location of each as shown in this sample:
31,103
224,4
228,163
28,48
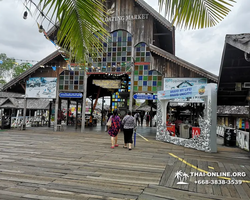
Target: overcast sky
20,38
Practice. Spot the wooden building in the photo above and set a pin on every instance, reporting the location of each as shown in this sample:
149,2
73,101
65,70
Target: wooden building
139,53
234,81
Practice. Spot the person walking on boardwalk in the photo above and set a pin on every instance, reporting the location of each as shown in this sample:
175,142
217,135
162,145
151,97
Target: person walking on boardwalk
142,117
147,119
129,124
137,118
114,128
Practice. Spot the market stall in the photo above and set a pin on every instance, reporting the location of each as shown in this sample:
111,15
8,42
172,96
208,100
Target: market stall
198,131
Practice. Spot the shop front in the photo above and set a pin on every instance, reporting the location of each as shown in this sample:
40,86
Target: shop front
198,131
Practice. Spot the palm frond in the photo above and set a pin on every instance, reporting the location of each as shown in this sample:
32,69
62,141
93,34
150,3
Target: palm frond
80,24
193,14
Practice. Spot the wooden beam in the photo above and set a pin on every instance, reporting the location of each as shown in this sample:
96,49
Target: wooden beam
237,67
231,96
22,86
161,34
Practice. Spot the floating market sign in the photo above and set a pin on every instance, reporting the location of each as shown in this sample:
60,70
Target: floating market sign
109,84
125,18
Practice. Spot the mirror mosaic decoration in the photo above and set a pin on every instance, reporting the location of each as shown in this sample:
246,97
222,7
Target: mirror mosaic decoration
207,140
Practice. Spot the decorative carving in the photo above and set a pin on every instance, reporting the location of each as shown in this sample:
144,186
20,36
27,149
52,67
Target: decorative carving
111,10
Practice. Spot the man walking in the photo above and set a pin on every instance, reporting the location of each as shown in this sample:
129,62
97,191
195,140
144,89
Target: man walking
137,118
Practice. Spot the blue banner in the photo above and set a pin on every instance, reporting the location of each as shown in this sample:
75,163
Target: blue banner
70,95
145,96
197,90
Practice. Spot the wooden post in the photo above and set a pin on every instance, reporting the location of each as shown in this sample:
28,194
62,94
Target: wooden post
248,116
111,102
24,114
76,114
92,107
68,103
132,83
151,113
84,100
57,99
102,121
50,110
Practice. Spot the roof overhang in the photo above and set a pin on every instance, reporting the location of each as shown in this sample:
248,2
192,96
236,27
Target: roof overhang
234,71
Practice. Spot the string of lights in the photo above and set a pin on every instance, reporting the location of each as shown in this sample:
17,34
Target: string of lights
24,60
41,12
42,30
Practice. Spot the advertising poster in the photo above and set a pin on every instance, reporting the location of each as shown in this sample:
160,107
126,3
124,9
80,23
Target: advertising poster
197,90
41,87
196,131
175,83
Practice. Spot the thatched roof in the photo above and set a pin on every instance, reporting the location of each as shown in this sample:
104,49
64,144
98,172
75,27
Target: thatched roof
10,94
17,103
232,110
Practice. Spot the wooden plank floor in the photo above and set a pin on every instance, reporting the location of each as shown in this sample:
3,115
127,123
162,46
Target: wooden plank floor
41,164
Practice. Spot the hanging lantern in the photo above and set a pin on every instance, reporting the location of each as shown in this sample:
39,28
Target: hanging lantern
40,29
25,14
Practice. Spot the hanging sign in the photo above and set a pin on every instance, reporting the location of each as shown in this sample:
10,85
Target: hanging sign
197,90
110,84
145,96
70,95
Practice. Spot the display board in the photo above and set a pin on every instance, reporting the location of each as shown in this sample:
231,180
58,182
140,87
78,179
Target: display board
110,84
41,87
174,83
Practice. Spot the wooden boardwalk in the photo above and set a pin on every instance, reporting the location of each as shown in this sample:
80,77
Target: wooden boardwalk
41,164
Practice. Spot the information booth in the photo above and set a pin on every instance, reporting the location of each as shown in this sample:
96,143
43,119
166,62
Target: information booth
195,128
